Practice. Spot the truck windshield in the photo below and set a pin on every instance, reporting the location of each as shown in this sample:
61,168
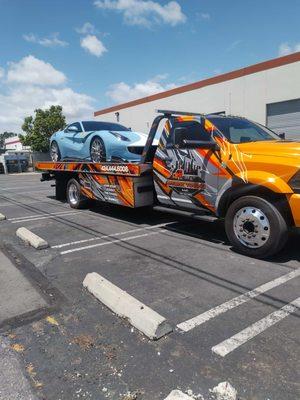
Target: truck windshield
239,130
102,126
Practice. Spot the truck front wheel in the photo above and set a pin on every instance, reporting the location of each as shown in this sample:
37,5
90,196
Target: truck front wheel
255,227
74,195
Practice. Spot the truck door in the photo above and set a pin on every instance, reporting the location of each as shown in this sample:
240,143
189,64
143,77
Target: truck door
186,168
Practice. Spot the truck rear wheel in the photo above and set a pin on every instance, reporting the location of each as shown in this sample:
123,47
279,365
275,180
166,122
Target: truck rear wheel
255,227
74,195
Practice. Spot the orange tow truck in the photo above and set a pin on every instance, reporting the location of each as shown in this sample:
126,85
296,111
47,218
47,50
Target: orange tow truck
226,166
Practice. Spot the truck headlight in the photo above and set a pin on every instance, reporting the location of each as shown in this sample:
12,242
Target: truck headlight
294,182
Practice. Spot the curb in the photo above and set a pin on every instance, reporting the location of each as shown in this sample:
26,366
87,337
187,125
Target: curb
178,395
2,217
29,237
142,317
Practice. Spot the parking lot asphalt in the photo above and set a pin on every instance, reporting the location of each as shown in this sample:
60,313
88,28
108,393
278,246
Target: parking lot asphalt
235,319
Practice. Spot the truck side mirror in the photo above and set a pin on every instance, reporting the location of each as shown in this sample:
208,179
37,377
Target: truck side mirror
282,135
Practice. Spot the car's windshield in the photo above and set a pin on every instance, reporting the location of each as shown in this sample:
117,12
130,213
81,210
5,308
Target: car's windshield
102,126
239,130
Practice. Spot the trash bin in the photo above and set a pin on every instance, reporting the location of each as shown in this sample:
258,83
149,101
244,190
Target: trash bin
16,164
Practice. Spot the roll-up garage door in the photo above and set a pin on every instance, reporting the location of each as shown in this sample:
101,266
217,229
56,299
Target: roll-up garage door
285,117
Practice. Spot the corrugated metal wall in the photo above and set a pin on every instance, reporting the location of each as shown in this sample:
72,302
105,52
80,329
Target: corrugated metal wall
285,117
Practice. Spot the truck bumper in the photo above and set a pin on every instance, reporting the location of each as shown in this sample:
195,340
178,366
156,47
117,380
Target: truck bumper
294,202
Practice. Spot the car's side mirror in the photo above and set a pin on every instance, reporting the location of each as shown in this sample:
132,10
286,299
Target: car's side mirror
282,135
73,129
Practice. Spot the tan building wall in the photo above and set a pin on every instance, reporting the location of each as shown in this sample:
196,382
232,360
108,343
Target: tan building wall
244,92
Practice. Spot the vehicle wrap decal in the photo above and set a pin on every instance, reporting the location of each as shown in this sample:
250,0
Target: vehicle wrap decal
113,189
196,174
160,166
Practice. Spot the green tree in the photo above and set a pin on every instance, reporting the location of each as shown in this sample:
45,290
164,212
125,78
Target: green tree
39,128
5,135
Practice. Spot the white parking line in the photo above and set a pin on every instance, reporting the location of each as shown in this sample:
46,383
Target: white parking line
46,217
27,191
11,192
42,214
6,203
59,246
235,302
228,345
111,242
17,187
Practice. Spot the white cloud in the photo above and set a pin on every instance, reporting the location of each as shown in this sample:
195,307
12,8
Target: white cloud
205,15
145,12
2,72
31,70
51,41
87,28
20,98
93,45
122,92
234,45
286,48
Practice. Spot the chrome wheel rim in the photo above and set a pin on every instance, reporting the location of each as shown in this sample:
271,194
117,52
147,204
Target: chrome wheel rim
97,151
251,227
54,152
73,194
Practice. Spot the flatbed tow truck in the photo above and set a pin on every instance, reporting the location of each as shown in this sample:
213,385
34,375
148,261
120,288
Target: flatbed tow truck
253,184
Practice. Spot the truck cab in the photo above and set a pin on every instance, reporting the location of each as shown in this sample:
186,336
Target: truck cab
232,168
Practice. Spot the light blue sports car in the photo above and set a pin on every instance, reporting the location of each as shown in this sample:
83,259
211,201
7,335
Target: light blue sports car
97,141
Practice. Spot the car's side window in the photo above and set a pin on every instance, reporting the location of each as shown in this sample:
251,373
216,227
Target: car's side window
77,124
188,130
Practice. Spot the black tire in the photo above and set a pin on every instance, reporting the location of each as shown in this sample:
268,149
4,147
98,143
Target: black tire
97,150
74,195
55,152
270,229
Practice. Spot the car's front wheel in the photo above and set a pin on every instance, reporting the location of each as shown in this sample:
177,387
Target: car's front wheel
54,152
255,227
97,150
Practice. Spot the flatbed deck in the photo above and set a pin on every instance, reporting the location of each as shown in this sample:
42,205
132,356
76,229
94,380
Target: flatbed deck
126,184
127,169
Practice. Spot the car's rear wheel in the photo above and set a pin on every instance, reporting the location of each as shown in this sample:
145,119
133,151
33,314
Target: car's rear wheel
97,150
54,152
74,195
255,227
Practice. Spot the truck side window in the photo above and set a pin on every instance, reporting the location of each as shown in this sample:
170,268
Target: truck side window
193,131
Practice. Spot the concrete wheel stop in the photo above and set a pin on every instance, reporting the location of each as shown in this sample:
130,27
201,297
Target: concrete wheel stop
142,317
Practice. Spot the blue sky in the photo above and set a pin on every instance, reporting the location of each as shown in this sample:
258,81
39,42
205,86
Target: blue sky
89,54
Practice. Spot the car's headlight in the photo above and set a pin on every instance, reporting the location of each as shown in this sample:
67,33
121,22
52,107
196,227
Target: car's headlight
119,136
294,182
